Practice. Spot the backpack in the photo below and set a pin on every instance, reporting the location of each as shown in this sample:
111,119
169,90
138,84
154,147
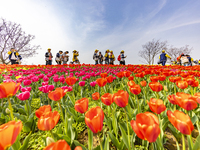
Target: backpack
119,58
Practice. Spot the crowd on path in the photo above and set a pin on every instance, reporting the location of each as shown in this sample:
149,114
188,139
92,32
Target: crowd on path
183,60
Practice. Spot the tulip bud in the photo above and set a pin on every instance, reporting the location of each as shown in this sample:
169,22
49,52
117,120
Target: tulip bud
7,110
49,140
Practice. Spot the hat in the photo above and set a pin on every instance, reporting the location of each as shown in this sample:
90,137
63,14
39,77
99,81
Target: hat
48,49
107,50
111,51
163,51
122,51
96,50
74,50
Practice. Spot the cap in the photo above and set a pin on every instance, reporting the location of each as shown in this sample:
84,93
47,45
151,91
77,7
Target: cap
122,51
74,50
163,51
48,49
111,51
107,50
96,50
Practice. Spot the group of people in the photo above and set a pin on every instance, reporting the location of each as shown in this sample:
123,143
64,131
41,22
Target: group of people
61,58
14,56
109,57
183,60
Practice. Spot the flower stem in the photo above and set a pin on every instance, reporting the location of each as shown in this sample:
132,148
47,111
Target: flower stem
11,110
100,141
27,108
183,141
61,111
129,147
138,104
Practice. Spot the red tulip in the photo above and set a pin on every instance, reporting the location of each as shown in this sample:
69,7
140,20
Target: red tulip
181,84
59,145
162,77
180,121
146,126
78,148
107,99
135,89
94,119
57,94
8,133
70,80
154,78
155,86
101,82
127,73
121,98
143,83
81,105
109,79
131,78
95,96
156,105
120,74
48,121
131,83
174,79
42,110
197,97
103,75
172,99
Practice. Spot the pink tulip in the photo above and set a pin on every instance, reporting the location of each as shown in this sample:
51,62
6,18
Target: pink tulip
26,89
55,79
62,79
93,83
27,82
35,79
82,83
24,95
41,76
70,88
45,79
44,83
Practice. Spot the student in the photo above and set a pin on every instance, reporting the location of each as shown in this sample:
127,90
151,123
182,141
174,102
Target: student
106,57
75,57
122,60
19,58
163,57
59,57
13,56
65,57
112,58
96,56
48,57
190,60
100,58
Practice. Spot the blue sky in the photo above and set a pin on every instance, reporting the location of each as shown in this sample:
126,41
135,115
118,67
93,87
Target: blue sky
86,25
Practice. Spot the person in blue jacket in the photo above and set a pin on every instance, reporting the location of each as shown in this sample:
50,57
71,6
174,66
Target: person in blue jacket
19,59
48,57
163,57
13,56
59,57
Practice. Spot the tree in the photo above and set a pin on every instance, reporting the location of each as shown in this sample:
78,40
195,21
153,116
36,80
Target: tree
174,52
152,49
12,36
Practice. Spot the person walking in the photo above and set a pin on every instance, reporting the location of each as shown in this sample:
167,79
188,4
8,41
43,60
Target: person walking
112,58
122,58
59,57
13,56
65,57
163,57
100,58
106,57
48,57
96,56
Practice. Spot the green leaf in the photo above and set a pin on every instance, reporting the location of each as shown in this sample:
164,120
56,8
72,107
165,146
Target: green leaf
108,121
90,139
194,119
124,136
17,143
106,145
97,148
114,124
25,143
189,143
78,144
114,140
20,117
197,144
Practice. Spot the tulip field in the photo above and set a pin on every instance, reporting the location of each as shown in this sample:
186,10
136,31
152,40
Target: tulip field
99,107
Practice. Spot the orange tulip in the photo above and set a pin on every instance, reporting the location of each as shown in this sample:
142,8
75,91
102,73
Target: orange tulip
8,133
95,96
59,145
8,89
143,83
156,105
155,86
174,79
154,78
101,82
48,121
180,121
146,126
127,73
121,98
181,84
185,101
103,75
120,74
57,94
130,78
195,83
81,105
107,99
94,119
70,80
162,77
197,97
42,110
172,99
78,148
189,80
131,83
135,89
